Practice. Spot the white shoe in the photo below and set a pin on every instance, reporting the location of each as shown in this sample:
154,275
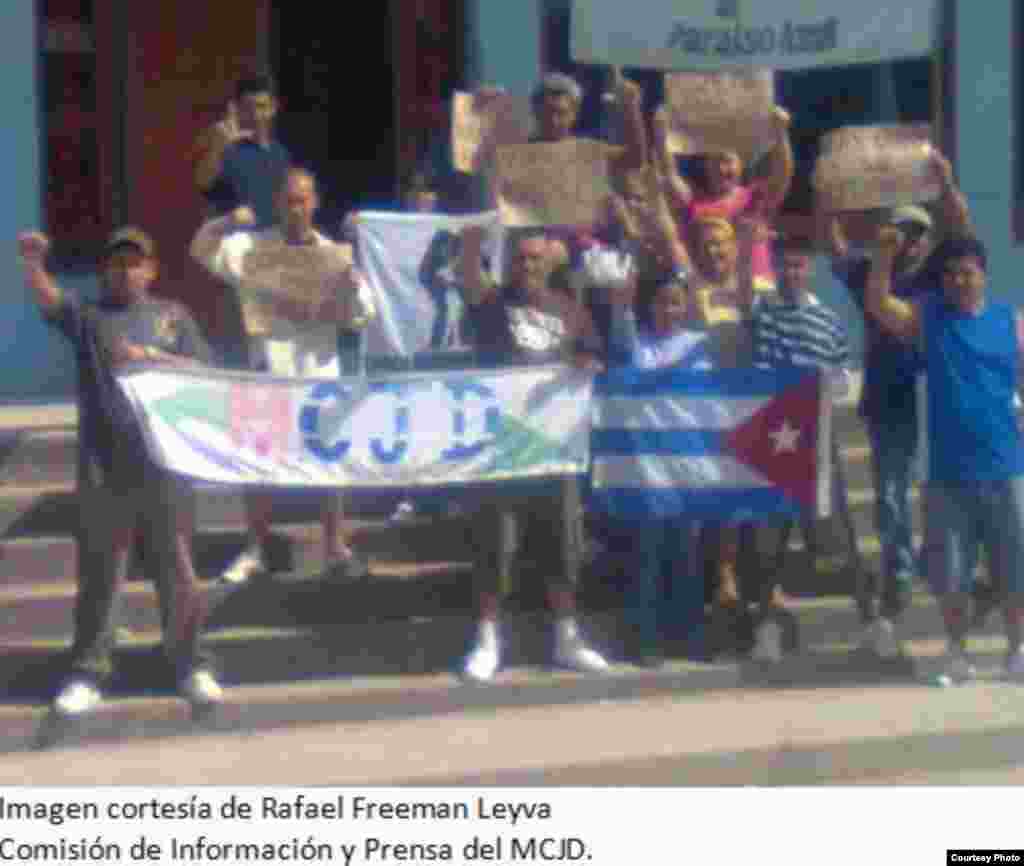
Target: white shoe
77,698
244,566
201,689
1015,665
405,510
483,662
768,642
956,669
879,637
574,653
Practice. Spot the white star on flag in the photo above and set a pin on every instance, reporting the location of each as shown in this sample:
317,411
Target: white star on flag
785,438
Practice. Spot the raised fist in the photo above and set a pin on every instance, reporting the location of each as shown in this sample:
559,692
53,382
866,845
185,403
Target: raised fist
228,128
781,118
243,216
33,246
628,91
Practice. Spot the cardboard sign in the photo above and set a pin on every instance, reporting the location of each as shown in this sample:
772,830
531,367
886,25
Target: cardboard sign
713,111
553,183
867,167
480,124
274,269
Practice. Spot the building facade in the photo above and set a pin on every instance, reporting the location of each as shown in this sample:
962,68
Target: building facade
106,98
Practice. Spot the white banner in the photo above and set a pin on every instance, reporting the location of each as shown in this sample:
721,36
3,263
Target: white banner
783,34
407,430
410,262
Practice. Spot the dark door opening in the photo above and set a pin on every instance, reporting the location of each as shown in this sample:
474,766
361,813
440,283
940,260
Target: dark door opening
337,106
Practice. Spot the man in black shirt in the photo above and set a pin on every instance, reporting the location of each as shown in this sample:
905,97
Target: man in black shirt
526,322
122,493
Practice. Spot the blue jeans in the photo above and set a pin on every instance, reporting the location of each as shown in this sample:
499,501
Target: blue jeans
666,596
893,448
959,518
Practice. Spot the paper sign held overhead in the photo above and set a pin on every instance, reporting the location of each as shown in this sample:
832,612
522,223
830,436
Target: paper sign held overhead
867,167
725,110
480,124
555,183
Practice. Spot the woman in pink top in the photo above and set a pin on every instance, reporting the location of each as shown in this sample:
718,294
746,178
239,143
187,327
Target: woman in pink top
720,191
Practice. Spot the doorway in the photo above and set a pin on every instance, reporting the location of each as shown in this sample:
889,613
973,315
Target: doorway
337,115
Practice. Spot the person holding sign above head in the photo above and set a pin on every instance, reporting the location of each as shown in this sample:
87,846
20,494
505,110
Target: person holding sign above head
972,348
665,598
526,322
121,491
298,289
717,307
719,190
887,403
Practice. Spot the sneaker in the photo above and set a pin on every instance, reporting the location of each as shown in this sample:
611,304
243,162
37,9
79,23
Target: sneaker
346,568
201,689
768,642
879,638
77,698
575,654
405,510
483,662
956,669
244,566
1015,665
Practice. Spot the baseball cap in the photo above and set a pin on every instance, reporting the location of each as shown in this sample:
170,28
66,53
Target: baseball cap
131,236
910,214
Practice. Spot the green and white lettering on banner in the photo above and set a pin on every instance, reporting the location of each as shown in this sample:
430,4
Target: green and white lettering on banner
782,34
409,430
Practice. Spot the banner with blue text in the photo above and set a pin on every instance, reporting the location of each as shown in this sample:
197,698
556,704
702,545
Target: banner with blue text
407,430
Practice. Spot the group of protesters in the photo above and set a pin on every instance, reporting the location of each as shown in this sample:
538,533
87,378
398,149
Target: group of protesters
687,271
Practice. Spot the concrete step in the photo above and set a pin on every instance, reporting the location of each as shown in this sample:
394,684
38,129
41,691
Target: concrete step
278,632
44,560
358,690
30,457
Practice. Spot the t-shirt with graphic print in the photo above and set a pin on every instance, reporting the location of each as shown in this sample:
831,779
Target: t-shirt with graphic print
509,329
110,443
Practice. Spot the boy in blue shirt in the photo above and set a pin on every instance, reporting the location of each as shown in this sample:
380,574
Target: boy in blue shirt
972,350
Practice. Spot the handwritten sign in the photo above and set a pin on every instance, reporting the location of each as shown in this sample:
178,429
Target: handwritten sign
277,270
706,112
553,183
480,124
866,167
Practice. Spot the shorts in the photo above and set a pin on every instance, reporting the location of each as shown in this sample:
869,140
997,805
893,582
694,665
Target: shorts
959,518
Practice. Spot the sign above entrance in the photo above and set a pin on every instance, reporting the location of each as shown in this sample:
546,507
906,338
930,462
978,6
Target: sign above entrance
783,34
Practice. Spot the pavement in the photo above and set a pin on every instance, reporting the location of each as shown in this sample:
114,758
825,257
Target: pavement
750,736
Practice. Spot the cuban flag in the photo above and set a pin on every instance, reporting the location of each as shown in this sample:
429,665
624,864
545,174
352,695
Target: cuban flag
747,444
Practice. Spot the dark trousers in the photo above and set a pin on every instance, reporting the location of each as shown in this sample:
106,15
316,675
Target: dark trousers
812,544
547,513
155,509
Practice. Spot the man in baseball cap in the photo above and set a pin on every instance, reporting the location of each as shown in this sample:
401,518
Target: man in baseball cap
122,492
888,404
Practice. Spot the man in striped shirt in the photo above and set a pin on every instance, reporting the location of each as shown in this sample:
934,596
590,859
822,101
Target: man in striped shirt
795,330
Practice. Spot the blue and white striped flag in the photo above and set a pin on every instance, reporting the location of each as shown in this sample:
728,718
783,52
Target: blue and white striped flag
745,444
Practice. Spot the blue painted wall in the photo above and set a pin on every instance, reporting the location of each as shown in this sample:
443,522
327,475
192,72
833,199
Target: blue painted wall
36,364
987,134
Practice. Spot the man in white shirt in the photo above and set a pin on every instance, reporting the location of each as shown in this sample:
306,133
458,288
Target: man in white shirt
292,333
